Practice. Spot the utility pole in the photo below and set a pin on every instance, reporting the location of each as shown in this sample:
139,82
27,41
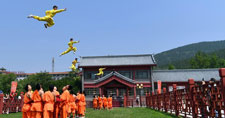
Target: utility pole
151,80
53,64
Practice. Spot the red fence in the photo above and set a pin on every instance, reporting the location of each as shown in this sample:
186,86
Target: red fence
10,106
195,101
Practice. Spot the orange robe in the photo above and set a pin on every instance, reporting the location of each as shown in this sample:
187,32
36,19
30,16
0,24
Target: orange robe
110,103
72,105
105,102
37,106
56,105
64,105
100,104
95,103
26,107
49,99
81,105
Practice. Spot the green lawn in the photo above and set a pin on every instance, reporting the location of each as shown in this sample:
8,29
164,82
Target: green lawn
115,113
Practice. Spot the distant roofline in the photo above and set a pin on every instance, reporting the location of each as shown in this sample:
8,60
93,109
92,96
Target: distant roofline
116,56
183,70
128,65
43,72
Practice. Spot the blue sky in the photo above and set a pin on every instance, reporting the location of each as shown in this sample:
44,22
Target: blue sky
104,27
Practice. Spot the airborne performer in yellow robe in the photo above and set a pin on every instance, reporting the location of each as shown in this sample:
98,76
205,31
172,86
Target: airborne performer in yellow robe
100,73
73,66
70,48
49,16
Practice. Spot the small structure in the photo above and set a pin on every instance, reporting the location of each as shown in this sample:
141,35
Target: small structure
121,76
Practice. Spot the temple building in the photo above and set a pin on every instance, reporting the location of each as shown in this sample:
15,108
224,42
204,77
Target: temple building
124,75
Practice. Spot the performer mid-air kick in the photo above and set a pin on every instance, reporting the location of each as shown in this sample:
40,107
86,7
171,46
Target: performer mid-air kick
73,66
70,48
49,16
100,73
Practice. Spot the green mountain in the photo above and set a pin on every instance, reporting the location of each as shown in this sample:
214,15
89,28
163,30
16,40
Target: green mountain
180,56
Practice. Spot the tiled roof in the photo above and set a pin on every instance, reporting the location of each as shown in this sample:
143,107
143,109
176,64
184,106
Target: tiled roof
117,60
185,74
114,73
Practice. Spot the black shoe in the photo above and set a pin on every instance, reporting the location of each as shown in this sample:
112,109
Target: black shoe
46,26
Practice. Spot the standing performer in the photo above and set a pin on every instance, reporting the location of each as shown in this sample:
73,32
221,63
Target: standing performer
57,102
77,103
65,97
70,48
27,102
105,102
73,66
100,104
49,16
100,73
81,105
37,106
109,102
95,102
49,99
72,104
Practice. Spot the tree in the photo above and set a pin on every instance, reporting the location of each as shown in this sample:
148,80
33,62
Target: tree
202,60
5,82
45,80
171,67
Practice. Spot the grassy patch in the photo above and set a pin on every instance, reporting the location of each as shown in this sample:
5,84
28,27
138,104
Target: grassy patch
115,113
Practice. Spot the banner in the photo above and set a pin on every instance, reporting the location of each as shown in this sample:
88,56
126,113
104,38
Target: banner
13,86
159,84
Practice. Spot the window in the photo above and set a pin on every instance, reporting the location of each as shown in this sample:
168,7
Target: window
91,91
90,74
131,92
142,91
126,73
141,74
122,92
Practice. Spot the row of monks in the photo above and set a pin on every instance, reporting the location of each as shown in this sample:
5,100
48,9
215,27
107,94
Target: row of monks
51,104
102,102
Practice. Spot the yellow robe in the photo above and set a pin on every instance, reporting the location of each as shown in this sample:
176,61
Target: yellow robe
73,66
100,71
70,48
49,16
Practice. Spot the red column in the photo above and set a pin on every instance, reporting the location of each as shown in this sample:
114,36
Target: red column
127,92
100,91
135,94
191,83
117,92
1,102
175,98
164,99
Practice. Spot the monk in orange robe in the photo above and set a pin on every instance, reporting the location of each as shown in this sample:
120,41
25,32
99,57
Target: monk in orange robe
81,105
37,107
105,102
95,102
100,104
27,102
49,99
72,104
109,102
64,105
77,103
57,102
